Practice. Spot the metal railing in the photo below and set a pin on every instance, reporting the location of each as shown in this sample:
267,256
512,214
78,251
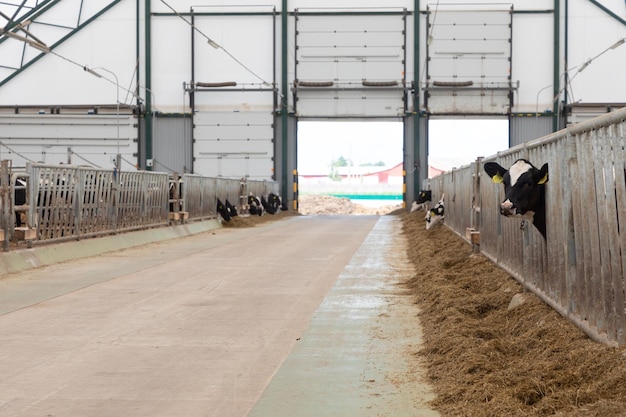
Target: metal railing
580,268
64,202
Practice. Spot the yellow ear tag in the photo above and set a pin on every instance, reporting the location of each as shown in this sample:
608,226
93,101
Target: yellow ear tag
498,179
543,180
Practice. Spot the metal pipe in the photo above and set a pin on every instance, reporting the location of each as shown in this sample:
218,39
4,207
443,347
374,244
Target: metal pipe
617,116
284,102
416,99
192,95
555,62
148,63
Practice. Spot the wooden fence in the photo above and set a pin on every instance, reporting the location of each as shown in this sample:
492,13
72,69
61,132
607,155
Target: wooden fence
580,268
59,202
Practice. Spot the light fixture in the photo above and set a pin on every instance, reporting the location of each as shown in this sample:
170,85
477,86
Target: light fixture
213,43
92,72
35,44
618,43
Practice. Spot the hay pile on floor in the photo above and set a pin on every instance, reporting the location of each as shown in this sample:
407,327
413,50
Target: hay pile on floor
249,220
486,361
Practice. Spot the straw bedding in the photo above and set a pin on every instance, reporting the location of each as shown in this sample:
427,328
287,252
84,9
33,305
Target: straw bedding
485,360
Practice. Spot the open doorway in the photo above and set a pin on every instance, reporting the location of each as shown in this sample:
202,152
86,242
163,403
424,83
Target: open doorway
457,142
358,160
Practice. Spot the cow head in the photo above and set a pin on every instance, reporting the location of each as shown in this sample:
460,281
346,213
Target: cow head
254,205
435,215
222,210
524,191
273,200
232,210
422,200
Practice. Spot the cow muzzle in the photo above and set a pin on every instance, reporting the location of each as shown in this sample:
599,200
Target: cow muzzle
508,209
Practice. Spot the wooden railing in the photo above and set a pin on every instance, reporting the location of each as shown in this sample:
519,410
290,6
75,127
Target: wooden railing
580,268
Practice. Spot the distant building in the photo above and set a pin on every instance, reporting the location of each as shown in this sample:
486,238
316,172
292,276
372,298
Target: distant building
359,175
364,175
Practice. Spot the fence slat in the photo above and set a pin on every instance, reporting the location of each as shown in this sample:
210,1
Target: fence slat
580,268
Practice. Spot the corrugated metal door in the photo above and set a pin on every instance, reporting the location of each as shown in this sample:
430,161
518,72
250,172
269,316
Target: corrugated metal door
172,144
234,144
350,65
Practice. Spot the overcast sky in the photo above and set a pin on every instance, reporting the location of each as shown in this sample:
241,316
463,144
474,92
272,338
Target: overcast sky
453,143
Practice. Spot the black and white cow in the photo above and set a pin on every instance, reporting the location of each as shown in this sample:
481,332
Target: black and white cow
19,199
423,198
266,206
254,205
222,210
232,210
524,191
275,203
436,214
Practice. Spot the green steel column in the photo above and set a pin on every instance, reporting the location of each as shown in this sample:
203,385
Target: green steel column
416,100
557,69
148,112
284,186
138,73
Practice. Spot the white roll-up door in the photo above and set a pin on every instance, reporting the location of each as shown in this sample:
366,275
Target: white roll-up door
234,144
350,65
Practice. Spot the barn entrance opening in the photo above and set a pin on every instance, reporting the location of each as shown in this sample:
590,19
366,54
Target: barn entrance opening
357,160
457,142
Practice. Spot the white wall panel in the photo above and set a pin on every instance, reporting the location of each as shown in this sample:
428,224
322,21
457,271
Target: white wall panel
533,61
93,139
234,144
109,42
59,78
471,46
347,50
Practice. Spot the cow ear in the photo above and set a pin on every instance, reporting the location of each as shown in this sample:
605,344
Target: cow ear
543,174
495,171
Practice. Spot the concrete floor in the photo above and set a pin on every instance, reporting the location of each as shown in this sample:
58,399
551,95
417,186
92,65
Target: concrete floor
198,326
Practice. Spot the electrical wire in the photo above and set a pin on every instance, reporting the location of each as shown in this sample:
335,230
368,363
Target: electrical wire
16,153
216,45
157,162
429,38
86,160
132,164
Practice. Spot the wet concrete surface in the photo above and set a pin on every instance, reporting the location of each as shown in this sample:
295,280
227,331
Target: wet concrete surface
358,355
198,326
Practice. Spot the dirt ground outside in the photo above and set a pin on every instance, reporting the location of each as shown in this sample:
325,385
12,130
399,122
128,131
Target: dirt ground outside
484,359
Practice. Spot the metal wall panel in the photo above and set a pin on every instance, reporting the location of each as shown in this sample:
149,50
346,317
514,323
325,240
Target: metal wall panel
360,61
171,145
89,140
468,61
234,144
523,128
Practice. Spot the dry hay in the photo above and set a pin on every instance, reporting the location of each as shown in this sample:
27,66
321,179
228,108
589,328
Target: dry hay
249,220
486,361
312,204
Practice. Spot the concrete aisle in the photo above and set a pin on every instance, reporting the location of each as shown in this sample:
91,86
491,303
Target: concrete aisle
189,327
357,358
198,326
